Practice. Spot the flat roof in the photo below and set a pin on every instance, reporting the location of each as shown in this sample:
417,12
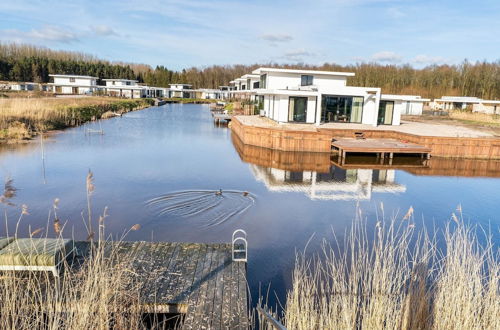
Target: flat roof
403,97
119,79
72,76
249,75
465,99
490,101
180,84
298,71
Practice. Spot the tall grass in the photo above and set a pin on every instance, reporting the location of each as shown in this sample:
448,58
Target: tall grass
96,289
398,278
22,117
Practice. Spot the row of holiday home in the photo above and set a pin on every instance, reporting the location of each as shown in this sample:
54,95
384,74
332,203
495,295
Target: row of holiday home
317,97
128,88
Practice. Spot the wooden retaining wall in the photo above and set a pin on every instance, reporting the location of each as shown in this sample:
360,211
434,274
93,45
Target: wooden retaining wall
320,140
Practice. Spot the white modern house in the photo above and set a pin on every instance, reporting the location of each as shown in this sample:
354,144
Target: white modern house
491,107
181,90
338,184
403,104
246,86
317,97
454,102
24,86
124,88
74,84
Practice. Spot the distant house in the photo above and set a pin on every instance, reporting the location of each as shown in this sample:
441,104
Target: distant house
124,88
404,104
487,106
224,92
181,90
316,97
246,87
73,84
24,86
454,103
207,93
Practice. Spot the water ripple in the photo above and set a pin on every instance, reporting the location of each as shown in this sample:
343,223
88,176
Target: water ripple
212,207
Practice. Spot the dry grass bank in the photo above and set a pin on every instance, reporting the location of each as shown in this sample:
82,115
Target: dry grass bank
20,118
397,278
476,117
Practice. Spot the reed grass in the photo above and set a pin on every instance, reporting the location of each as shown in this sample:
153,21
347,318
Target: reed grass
96,290
21,118
398,278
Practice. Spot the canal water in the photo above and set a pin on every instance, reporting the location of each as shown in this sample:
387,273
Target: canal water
182,178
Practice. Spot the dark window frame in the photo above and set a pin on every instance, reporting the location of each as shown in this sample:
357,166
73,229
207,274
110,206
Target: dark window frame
306,80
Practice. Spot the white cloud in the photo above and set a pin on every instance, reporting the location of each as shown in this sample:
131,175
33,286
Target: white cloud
386,56
103,30
426,59
47,33
276,37
297,55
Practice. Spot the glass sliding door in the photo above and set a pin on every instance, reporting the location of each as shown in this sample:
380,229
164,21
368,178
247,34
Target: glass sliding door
385,112
297,108
344,109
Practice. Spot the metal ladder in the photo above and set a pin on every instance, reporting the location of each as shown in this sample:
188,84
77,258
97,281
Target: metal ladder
239,236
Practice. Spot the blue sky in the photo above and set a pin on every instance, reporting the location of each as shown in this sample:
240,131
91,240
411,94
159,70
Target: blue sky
185,33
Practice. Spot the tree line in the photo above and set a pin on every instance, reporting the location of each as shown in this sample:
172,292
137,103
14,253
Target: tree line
31,63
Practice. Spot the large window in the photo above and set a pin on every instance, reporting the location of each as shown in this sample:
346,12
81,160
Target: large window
297,109
306,80
71,79
263,81
249,84
256,85
385,112
344,109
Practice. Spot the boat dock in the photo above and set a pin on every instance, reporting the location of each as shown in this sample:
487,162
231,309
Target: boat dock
201,283
221,117
382,147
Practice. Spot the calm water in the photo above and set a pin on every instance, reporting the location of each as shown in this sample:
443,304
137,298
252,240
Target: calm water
153,167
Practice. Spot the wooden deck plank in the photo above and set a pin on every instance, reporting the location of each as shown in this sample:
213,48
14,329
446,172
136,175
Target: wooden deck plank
208,304
218,287
226,292
184,282
235,321
242,296
194,296
204,289
378,145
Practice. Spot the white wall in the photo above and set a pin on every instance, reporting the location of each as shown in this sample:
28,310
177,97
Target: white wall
281,80
486,108
77,82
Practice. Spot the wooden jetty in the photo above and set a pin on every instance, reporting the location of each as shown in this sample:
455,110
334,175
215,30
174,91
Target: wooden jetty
219,118
381,147
200,282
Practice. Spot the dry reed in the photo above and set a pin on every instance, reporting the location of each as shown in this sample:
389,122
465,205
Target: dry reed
476,117
397,278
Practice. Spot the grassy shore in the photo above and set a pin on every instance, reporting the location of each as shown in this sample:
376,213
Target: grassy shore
476,118
393,276
21,118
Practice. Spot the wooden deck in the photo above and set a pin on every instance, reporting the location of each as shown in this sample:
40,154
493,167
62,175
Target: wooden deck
382,147
200,281
221,117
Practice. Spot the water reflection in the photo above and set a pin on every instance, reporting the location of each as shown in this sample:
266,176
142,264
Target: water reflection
337,184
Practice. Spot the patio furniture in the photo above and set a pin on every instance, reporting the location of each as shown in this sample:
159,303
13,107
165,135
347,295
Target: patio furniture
34,254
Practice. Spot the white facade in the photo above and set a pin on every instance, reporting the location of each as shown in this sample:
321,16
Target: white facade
73,84
454,102
491,107
405,104
124,88
181,91
316,97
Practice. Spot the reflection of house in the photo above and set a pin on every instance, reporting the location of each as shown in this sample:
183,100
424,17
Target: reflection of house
310,96
338,184
487,106
454,103
404,104
73,84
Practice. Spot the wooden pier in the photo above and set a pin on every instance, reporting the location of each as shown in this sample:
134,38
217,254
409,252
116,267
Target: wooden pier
221,117
201,282
381,147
